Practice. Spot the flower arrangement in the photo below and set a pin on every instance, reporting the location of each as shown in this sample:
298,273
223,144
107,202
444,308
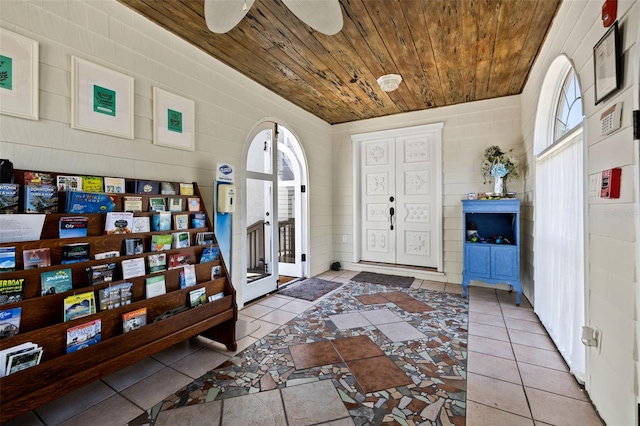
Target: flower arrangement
498,164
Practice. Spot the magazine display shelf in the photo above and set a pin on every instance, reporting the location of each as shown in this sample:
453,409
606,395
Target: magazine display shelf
42,322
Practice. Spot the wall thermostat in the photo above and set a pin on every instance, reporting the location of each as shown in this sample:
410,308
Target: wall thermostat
610,187
611,119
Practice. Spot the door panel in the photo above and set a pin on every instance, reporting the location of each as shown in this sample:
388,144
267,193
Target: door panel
478,260
415,190
378,181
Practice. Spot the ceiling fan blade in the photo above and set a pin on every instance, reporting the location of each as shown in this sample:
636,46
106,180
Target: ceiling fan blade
223,15
324,16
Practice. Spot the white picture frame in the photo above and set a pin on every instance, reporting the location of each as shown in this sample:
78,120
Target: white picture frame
101,99
19,66
173,120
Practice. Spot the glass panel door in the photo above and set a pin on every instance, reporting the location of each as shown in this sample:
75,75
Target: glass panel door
289,206
262,268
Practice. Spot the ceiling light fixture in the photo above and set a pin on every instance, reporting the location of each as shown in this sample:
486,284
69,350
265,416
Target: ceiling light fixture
389,82
324,16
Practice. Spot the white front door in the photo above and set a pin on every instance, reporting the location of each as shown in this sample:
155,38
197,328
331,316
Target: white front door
400,219
261,213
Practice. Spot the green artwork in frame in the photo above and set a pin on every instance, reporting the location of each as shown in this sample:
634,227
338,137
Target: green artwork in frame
174,120
6,72
104,100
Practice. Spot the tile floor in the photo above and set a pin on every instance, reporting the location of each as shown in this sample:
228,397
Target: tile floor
322,370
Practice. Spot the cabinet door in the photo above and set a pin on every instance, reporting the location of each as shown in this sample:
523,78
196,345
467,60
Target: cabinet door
504,262
477,260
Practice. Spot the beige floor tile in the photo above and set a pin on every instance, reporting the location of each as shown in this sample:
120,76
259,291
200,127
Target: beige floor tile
485,308
490,331
177,351
491,366
274,301
432,285
560,410
112,411
132,374
245,327
255,310
486,319
200,414
509,299
65,407
416,283
485,296
483,301
279,317
340,279
497,393
550,380
401,331
313,403
531,339
482,415
524,325
349,320
541,357
520,313
199,362
264,328
27,419
296,306
381,316
146,393
263,408
241,344
490,346
348,274
481,291
453,288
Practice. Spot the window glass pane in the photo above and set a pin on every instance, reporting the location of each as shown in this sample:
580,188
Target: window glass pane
259,156
569,107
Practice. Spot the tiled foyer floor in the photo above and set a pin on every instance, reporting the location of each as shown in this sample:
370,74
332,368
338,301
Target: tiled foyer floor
514,374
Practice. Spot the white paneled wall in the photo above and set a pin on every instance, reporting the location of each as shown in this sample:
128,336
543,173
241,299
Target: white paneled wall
468,129
612,246
228,105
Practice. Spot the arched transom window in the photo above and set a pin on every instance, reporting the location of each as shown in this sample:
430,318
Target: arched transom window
569,107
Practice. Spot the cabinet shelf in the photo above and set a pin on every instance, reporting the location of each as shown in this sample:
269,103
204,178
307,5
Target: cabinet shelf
42,320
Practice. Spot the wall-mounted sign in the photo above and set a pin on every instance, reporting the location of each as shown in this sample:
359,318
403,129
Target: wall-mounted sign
225,172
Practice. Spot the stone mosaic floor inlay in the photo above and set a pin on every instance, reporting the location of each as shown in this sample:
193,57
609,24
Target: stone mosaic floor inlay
421,334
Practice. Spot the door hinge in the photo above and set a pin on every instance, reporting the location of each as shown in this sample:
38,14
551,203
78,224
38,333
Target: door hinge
304,257
303,188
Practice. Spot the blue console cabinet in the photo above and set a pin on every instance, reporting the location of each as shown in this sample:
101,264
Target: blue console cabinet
495,257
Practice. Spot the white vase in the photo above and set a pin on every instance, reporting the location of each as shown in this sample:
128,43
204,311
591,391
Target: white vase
498,188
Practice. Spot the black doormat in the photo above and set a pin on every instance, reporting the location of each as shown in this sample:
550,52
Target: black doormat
383,279
310,289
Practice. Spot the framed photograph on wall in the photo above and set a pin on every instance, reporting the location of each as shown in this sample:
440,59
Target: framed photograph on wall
18,75
101,99
173,120
606,64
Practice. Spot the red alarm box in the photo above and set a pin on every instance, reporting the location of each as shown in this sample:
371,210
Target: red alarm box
609,12
611,183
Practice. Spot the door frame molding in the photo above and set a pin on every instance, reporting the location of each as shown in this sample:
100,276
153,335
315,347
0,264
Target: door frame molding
356,141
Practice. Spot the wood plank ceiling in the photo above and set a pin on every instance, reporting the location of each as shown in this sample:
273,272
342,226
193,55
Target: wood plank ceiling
447,51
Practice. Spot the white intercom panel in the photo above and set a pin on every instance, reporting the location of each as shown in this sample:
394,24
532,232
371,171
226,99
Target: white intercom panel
226,198
611,119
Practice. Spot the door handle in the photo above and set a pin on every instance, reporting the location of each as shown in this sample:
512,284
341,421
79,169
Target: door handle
392,211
